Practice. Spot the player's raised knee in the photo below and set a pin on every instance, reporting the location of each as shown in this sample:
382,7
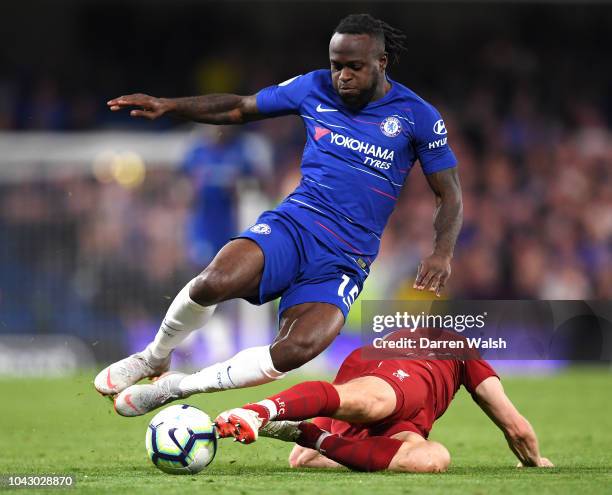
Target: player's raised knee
210,287
424,457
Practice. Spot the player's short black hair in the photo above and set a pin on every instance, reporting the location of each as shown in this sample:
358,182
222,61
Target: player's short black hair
392,38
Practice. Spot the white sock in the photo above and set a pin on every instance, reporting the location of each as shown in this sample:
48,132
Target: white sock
183,317
248,368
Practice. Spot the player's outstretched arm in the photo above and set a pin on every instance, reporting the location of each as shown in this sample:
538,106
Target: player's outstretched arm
519,433
208,109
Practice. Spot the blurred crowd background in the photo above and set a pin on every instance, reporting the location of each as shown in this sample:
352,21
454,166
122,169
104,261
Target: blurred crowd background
526,95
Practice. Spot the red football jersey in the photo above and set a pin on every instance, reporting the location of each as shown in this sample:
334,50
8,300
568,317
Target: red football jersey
424,390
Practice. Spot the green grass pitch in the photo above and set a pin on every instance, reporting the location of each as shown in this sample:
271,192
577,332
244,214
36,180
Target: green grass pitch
63,426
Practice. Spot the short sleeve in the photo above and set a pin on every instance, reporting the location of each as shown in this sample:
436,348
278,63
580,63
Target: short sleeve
323,423
284,98
431,141
475,371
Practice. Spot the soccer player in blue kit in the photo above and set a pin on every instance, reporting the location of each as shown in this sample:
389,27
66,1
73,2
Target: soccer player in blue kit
364,133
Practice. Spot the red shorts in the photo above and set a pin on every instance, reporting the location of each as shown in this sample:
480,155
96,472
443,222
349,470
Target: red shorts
413,411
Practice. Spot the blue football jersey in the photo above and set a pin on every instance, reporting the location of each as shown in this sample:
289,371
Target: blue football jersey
355,163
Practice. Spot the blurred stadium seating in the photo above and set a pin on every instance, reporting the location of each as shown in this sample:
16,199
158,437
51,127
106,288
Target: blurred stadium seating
93,225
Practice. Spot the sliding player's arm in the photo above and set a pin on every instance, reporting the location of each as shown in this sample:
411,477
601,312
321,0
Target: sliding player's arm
207,109
519,433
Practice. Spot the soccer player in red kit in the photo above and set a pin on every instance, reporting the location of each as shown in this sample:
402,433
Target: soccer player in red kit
377,415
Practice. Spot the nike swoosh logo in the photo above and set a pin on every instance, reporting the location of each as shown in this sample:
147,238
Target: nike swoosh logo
228,375
109,384
321,109
128,401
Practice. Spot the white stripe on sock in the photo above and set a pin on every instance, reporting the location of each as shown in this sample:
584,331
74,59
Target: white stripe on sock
319,441
270,406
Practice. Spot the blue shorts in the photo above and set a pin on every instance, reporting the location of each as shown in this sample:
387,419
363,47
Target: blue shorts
299,268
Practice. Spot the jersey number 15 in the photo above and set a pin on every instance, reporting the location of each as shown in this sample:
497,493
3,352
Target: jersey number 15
349,299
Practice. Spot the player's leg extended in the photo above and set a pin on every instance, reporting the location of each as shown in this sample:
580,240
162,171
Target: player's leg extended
306,330
362,400
234,272
367,399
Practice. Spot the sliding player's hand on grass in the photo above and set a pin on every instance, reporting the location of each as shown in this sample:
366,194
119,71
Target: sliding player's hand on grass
519,433
148,107
433,273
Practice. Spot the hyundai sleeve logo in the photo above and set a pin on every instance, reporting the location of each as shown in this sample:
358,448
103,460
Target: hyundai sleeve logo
439,127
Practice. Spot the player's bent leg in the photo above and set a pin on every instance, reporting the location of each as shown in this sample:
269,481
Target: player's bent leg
360,454
235,272
422,456
365,399
404,452
302,401
306,330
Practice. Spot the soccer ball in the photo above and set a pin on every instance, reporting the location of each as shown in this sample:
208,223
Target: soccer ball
181,439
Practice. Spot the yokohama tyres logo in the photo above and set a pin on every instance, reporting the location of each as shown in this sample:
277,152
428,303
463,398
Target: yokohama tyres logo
363,147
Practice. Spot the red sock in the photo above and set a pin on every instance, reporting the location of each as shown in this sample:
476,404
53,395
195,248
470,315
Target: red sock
303,401
367,454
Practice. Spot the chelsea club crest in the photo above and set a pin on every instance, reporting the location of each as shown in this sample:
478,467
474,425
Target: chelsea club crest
391,126
261,228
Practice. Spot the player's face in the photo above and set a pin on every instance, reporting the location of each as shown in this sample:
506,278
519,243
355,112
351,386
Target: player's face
358,63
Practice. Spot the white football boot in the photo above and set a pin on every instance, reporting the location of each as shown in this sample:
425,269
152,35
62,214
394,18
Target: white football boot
140,399
120,375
